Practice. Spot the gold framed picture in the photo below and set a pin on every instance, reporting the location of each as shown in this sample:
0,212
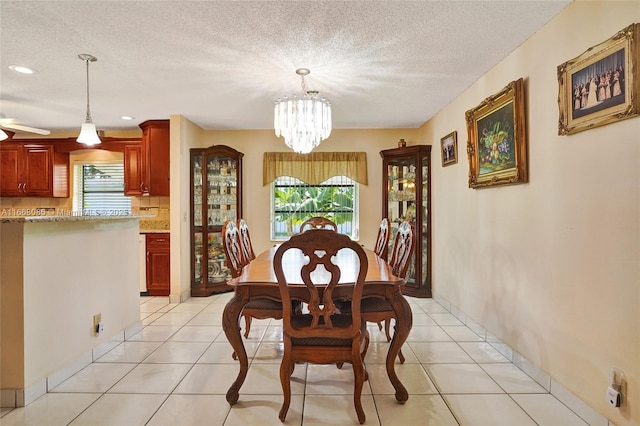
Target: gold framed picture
449,149
602,85
497,146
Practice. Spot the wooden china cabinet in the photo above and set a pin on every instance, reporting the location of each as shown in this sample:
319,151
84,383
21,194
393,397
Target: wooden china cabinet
216,195
407,194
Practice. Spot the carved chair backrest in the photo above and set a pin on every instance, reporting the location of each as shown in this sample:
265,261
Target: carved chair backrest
318,222
231,245
403,247
245,242
383,238
319,246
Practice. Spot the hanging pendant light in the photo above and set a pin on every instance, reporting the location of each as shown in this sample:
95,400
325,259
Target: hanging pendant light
303,122
3,135
88,133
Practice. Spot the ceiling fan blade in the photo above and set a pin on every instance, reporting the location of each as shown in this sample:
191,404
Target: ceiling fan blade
26,129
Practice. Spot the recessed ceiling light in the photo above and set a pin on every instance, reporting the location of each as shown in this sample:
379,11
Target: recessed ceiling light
22,69
127,117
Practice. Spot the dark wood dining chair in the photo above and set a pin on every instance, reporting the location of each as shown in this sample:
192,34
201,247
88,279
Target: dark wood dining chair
257,308
381,249
382,240
245,242
322,336
378,310
403,247
260,308
318,222
231,247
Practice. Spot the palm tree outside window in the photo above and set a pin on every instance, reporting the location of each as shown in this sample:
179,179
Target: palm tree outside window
294,201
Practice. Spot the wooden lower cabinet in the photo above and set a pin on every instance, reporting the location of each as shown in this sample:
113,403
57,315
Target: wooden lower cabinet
158,264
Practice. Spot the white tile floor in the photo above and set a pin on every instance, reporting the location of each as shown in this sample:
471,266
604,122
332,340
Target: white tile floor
177,370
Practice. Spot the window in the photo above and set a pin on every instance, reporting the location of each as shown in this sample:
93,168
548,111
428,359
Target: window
99,189
294,201
315,184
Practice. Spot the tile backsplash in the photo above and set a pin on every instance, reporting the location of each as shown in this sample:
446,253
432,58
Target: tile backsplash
157,206
35,206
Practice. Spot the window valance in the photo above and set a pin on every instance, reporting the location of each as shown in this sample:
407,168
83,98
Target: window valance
316,167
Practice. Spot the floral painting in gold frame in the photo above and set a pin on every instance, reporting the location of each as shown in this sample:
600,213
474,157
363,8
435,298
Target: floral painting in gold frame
497,146
602,85
449,149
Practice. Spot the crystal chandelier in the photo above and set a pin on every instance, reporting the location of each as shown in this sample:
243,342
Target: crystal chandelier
303,122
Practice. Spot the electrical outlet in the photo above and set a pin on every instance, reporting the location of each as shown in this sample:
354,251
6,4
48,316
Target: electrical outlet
97,323
615,389
614,398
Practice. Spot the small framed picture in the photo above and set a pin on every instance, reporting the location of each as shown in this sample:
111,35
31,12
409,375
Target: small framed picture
497,146
449,149
602,85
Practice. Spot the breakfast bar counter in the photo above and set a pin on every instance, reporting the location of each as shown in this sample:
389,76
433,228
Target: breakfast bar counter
56,274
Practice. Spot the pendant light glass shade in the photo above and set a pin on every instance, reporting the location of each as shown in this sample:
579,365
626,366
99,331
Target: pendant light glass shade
3,135
88,133
302,122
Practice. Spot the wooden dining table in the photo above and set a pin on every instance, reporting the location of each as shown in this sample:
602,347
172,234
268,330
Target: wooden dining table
258,281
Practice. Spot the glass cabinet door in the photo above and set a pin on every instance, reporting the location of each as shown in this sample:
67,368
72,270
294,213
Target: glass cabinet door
425,233
216,177
198,265
406,196
217,272
196,212
221,198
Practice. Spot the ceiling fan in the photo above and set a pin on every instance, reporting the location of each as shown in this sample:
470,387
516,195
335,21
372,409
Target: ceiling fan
10,124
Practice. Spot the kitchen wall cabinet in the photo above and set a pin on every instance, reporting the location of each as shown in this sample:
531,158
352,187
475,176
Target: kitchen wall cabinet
133,170
406,175
158,264
216,195
33,170
146,165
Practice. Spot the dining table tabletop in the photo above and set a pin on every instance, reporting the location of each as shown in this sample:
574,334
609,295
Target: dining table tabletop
258,281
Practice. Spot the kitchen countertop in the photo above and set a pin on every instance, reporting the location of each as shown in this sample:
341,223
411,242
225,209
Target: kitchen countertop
68,218
154,225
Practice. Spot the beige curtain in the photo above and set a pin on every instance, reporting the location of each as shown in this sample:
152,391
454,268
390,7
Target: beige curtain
316,167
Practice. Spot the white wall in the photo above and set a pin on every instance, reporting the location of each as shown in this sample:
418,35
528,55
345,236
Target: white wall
55,277
184,136
551,267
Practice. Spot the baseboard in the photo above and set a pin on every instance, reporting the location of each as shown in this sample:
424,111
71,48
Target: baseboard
584,411
12,398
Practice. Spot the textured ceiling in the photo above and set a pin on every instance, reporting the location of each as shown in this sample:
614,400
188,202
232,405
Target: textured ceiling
222,64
